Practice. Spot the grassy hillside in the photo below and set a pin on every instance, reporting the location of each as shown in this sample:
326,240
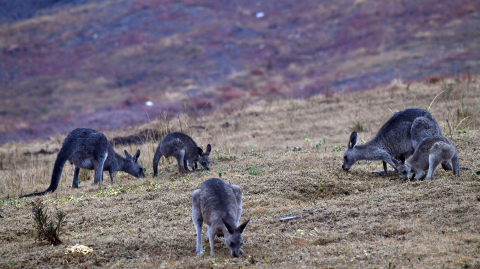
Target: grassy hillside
95,63
286,156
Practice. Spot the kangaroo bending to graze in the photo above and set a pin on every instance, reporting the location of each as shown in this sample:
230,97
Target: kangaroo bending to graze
183,148
397,138
89,149
431,152
219,205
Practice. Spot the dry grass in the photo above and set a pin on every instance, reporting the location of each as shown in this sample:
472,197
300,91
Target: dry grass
352,219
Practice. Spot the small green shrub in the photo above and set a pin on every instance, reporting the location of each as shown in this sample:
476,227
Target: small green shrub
358,127
253,170
338,148
47,229
448,88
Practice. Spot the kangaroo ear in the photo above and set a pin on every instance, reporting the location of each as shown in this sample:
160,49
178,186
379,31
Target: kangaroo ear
353,140
242,227
402,159
200,151
128,155
135,159
209,148
230,229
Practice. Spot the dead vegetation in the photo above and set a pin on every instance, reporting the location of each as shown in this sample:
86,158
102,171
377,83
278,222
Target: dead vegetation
352,219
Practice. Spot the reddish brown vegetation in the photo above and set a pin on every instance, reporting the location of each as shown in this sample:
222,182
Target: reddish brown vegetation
69,60
434,79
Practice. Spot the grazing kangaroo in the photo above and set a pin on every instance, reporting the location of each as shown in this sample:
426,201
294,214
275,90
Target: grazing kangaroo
428,155
89,149
183,148
219,205
397,138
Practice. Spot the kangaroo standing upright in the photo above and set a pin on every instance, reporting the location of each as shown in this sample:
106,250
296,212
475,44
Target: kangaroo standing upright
219,205
89,149
431,152
397,138
183,148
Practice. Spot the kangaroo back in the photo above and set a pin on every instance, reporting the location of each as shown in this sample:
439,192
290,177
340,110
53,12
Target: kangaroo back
218,196
423,127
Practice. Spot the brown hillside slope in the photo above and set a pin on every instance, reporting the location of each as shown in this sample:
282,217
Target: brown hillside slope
352,219
95,63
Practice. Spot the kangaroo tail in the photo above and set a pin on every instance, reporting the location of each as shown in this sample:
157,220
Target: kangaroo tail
156,160
57,173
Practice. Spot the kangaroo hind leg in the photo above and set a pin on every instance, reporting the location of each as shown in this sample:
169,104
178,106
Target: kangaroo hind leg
98,166
197,219
180,156
456,165
433,162
76,172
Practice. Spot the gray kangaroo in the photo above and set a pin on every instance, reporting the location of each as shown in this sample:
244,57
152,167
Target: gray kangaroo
397,138
219,205
89,149
428,155
183,148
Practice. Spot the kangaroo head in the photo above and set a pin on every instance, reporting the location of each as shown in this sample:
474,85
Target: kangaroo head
349,156
132,166
402,168
203,157
234,237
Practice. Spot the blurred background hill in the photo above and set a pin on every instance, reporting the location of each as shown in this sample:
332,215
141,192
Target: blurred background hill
113,64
